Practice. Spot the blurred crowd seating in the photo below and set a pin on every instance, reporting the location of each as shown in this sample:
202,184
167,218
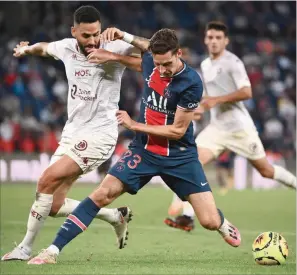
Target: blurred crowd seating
33,91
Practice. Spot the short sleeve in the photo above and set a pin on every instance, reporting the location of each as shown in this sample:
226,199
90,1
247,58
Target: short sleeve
239,74
57,49
190,98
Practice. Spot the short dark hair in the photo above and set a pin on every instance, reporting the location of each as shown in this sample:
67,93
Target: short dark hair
163,41
217,25
86,14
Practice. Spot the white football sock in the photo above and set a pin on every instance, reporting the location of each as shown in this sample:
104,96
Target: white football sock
284,176
53,249
188,210
105,214
38,214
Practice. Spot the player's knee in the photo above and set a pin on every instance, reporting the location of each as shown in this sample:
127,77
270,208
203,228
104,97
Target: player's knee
210,223
102,197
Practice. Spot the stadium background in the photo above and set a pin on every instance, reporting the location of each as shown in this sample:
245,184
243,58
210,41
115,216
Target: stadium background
33,93
34,90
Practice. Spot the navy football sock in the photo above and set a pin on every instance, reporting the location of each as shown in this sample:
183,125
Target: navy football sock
221,216
76,222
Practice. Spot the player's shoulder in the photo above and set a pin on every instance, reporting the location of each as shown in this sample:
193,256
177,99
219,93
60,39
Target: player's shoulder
68,42
192,76
231,57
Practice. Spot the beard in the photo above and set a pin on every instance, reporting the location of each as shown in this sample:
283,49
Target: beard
83,48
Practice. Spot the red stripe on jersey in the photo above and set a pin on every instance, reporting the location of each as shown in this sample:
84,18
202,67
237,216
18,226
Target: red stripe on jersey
155,144
158,83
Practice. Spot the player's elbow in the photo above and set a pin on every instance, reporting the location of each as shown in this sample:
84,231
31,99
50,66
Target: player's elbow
178,133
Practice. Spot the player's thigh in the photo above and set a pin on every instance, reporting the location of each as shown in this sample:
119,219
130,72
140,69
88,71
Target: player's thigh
186,178
205,155
246,143
210,143
134,169
90,151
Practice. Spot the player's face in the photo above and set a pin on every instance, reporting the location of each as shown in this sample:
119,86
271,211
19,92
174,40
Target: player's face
216,41
87,36
167,64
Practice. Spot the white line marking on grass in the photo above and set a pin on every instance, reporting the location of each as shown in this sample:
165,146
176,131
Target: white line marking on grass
145,227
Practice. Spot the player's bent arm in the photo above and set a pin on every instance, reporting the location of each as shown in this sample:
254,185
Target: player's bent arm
239,95
141,43
175,131
38,49
133,63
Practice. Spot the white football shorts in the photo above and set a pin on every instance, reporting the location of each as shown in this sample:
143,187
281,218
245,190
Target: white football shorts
245,143
87,151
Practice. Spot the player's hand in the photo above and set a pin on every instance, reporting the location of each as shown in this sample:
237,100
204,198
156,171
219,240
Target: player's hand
21,49
100,56
124,119
111,34
209,102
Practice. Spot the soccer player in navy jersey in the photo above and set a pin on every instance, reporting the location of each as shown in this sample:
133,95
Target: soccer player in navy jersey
164,144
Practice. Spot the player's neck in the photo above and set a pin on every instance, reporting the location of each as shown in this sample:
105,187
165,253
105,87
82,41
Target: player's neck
181,65
216,56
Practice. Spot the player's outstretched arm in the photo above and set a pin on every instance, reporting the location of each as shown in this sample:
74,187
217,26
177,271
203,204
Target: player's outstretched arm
23,49
239,95
101,56
111,34
176,131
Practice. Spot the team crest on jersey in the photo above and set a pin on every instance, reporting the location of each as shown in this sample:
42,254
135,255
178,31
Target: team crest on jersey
167,93
81,146
253,147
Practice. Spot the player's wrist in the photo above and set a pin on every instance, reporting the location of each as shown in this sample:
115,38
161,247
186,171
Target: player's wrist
133,126
127,37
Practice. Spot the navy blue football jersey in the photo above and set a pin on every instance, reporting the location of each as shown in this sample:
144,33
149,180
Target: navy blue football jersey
160,99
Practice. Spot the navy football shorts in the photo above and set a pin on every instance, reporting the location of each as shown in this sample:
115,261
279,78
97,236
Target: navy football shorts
137,166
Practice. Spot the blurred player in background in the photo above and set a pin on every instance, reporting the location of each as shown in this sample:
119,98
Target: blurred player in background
231,127
90,134
164,144
224,175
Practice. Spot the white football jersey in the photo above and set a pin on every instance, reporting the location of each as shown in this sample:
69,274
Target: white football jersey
223,76
93,90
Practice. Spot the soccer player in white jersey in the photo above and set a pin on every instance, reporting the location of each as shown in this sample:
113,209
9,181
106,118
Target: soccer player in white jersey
231,127
90,134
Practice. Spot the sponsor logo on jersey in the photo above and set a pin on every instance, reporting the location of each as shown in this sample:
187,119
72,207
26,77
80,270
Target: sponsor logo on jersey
82,73
81,146
82,94
192,105
157,103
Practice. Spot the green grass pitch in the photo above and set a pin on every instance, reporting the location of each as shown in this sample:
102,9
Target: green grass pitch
154,248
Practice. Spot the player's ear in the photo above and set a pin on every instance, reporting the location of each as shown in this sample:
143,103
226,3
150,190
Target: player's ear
73,30
227,41
179,53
